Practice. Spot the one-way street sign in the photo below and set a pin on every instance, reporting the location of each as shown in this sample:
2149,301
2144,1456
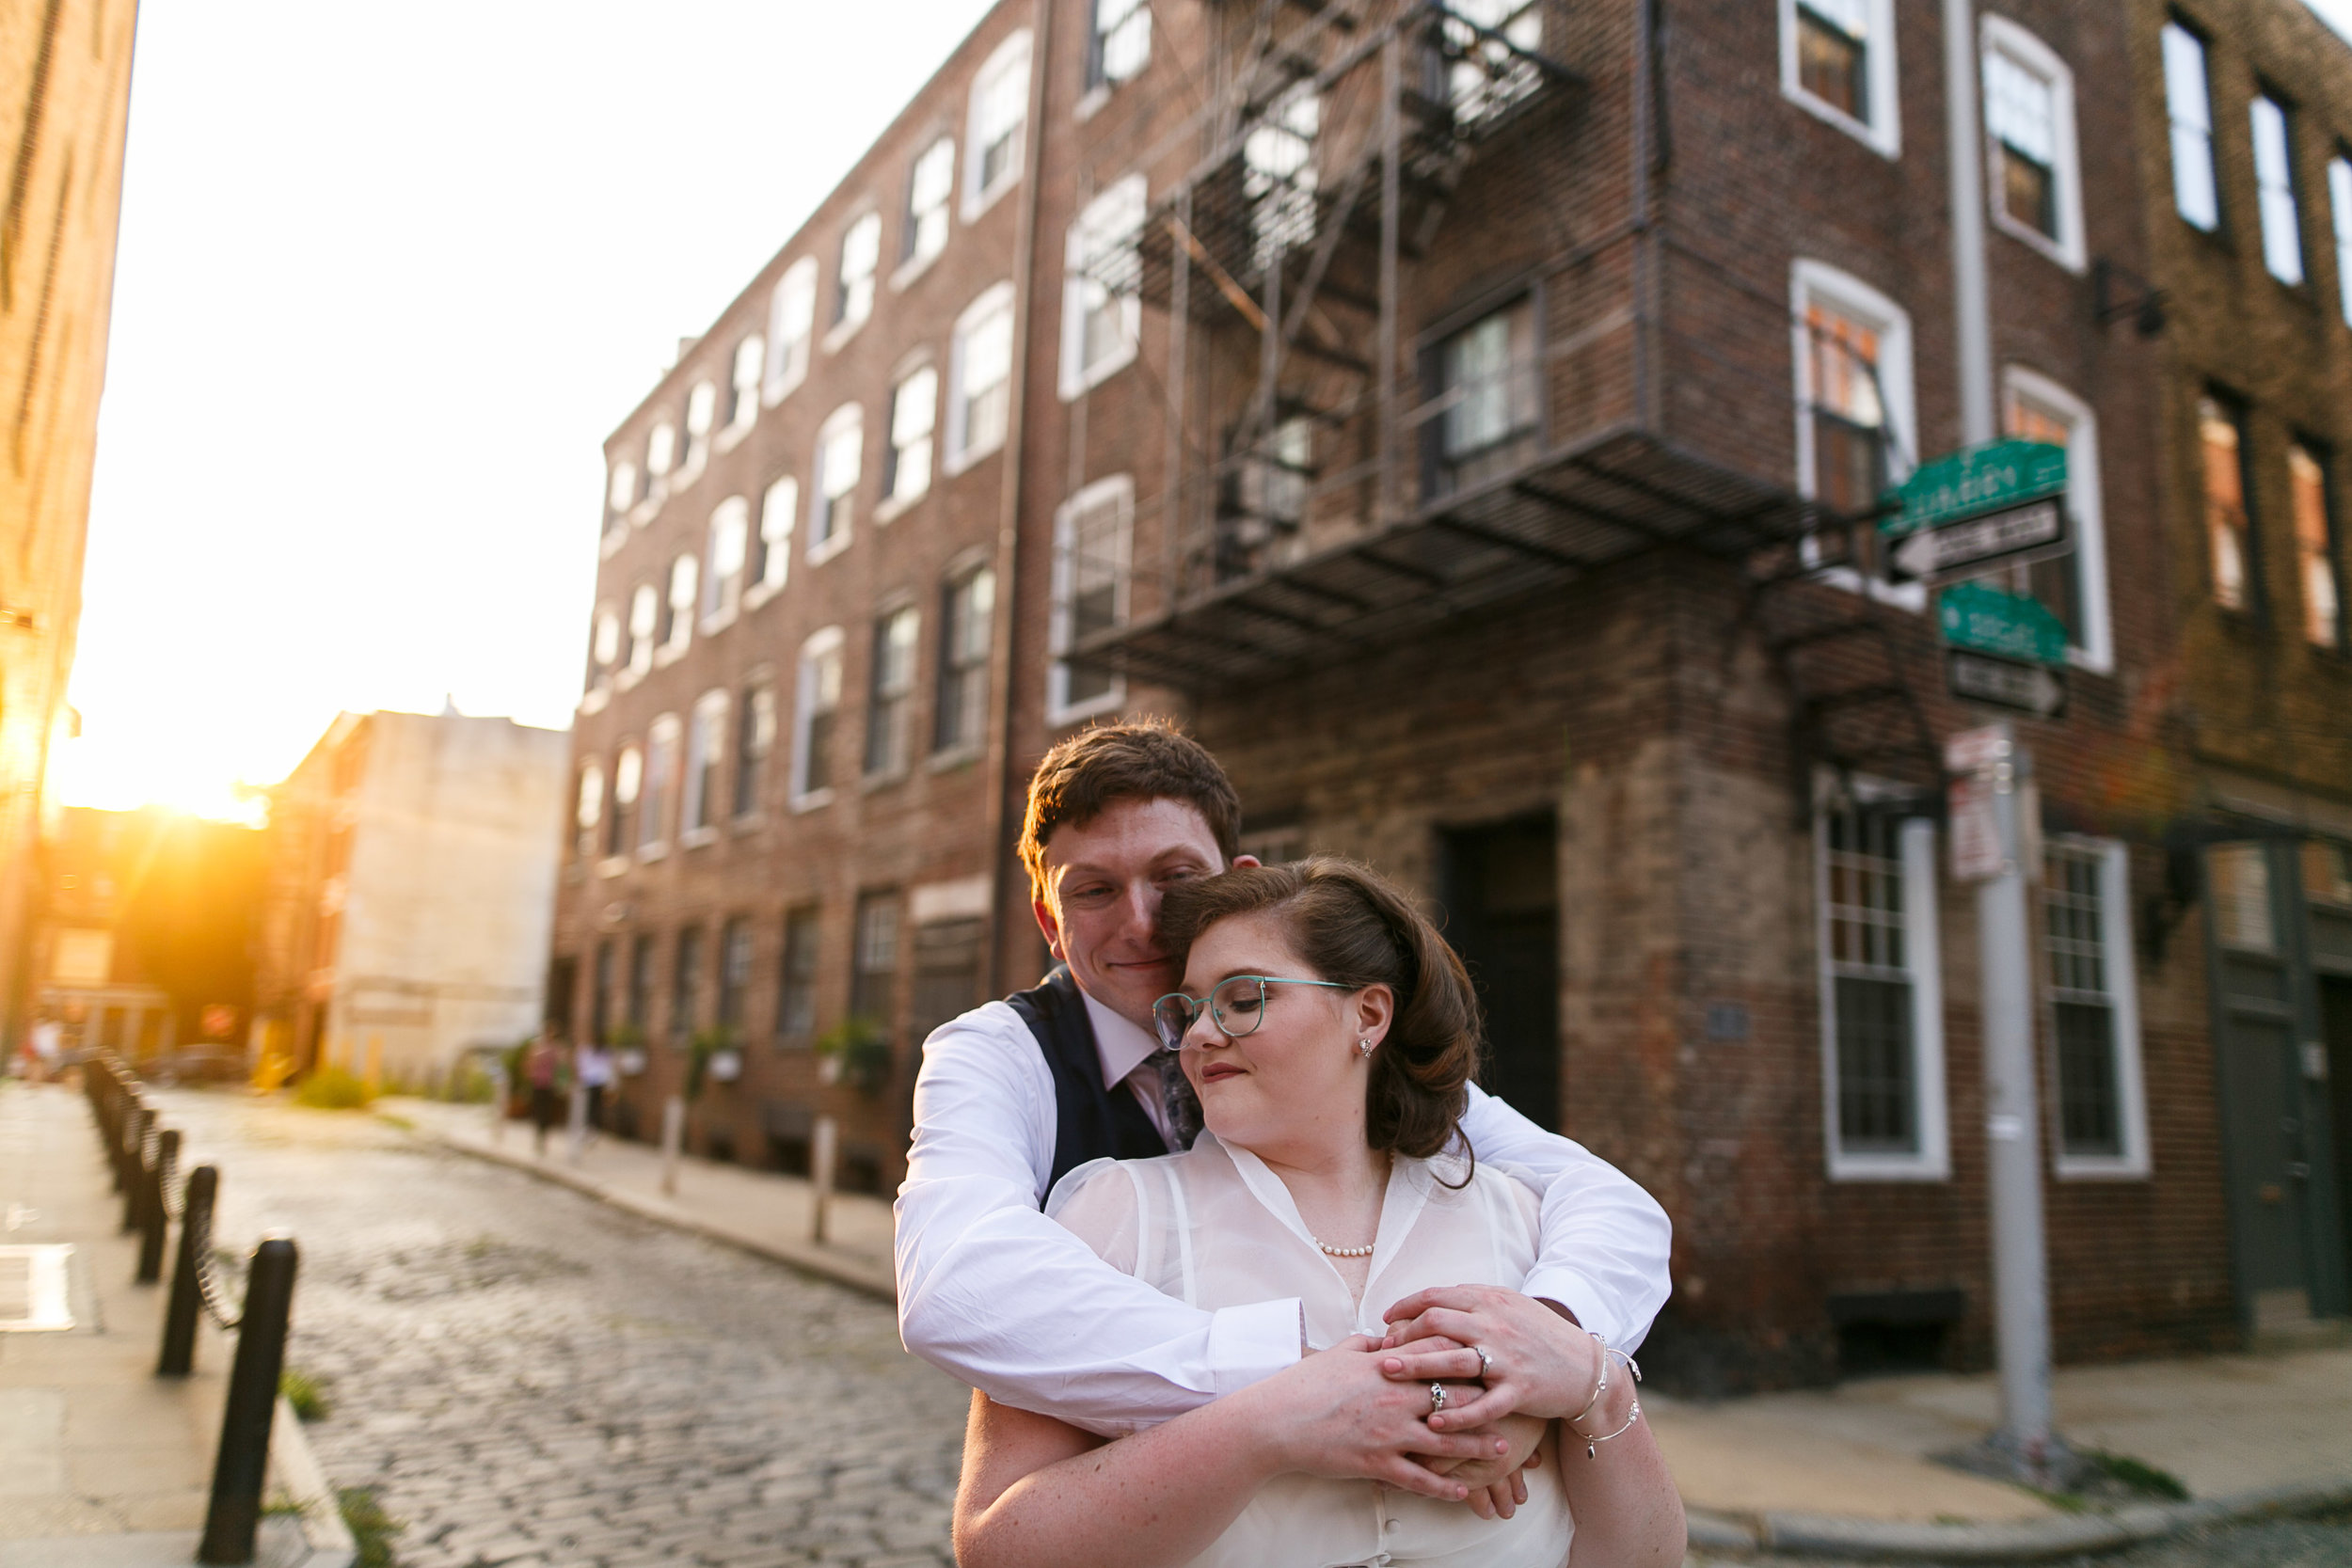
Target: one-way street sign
2005,683
2036,529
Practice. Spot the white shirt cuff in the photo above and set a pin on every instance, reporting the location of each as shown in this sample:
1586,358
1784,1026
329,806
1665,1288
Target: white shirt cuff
1571,1291
1247,1344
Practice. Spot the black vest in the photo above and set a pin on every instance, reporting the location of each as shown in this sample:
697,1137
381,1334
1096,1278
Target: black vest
1091,1121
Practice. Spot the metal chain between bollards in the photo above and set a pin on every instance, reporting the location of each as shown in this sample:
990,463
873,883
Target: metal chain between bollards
198,1242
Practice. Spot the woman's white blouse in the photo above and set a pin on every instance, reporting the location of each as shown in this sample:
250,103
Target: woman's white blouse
1215,1227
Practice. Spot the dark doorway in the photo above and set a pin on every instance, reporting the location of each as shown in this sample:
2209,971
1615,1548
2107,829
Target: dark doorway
1501,890
2335,1024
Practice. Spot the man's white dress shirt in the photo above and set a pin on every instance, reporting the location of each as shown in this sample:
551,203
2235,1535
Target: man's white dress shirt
994,1292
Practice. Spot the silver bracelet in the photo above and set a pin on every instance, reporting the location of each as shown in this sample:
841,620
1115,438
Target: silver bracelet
1591,1443
1600,1380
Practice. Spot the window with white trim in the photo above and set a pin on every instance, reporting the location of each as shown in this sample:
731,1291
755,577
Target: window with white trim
1118,44
2034,181
1852,348
644,621
840,459
1278,177
588,810
1102,311
1000,114
853,291
791,326
622,492
2073,587
2274,185
817,711
889,711
980,370
1492,71
796,978
1093,533
966,626
628,779
661,759
2340,211
931,185
722,586
751,364
2188,107
1838,62
735,974
2318,548
1882,996
778,509
705,743
754,740
604,646
2230,540
660,451
1487,390
677,610
2099,1107
702,411
914,414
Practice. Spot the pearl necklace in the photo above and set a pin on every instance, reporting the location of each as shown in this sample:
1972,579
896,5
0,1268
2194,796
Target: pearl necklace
1331,1251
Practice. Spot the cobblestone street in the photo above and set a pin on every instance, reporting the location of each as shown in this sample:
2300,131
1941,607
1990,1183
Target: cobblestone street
529,1378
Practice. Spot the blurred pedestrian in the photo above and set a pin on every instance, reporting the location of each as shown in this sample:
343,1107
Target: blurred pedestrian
594,1065
543,1068
45,1043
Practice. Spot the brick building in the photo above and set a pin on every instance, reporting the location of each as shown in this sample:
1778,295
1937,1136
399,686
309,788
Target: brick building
1468,421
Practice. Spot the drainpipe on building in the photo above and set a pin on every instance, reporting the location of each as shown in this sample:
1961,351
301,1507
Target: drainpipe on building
2025,1444
1002,825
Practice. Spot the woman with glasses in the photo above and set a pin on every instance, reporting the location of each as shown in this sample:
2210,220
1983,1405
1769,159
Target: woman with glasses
1328,1034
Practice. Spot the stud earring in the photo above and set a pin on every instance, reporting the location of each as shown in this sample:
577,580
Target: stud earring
1363,1046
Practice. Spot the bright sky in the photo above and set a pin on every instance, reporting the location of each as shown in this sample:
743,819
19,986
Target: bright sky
387,276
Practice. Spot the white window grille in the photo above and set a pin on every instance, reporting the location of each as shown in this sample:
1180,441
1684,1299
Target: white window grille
840,459
1852,349
965,628
2188,106
1882,997
621,493
2100,1111
1102,306
929,187
677,628
705,743
702,410
751,360
1000,113
662,449
817,711
2035,189
914,414
644,620
1121,45
1092,534
723,588
778,507
791,326
1837,63
2274,182
861,253
889,739
980,377
655,803
628,781
1488,398
754,740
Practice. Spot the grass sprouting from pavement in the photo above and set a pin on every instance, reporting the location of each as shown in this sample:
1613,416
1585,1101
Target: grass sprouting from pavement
334,1089
2139,1475
305,1393
372,1528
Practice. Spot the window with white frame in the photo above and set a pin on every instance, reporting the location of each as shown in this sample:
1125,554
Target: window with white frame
751,364
889,710
677,618
1487,392
2230,540
754,742
628,779
702,411
796,978
1278,177
930,184
705,744
2036,183
604,646
660,451
1091,538
1119,45
1102,311
979,403
2318,550
1838,61
644,621
2274,185
588,810
773,560
1491,40
914,414
2073,587
840,458
2340,212
1882,996
2100,1115
730,538
853,291
2188,107
817,709
968,612
622,493
1852,347
791,326
1000,112
654,803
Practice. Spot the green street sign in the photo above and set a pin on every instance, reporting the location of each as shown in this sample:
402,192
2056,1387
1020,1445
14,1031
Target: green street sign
1973,615
1970,484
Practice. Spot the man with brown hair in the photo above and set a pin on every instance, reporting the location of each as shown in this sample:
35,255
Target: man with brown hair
1015,1094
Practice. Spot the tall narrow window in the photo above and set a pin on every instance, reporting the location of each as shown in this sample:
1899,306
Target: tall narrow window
686,985
751,360
588,810
1490,40
1102,310
1091,545
913,413
705,744
678,621
2072,587
735,974
888,741
2340,212
1278,177
1837,63
2318,550
2229,530
662,449
722,590
796,980
625,486
967,616
2093,1008
644,623
1000,110
875,967
840,459
702,409
2274,182
600,996
791,324
604,646
1121,42
1881,994
2188,104
980,402
754,740
640,1011
853,291
1486,387
817,708
1852,345
629,777
2034,181
777,510
661,788
929,185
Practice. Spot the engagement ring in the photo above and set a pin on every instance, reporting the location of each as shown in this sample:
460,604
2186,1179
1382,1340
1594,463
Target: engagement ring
1436,1398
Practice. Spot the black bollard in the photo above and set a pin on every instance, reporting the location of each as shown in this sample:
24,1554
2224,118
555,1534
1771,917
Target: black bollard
187,1295
238,1473
154,1215
133,1162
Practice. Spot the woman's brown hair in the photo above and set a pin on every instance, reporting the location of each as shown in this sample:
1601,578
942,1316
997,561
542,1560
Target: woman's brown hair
1352,924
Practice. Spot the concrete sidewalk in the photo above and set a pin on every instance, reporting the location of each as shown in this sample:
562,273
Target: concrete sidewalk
1845,1471
103,1464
